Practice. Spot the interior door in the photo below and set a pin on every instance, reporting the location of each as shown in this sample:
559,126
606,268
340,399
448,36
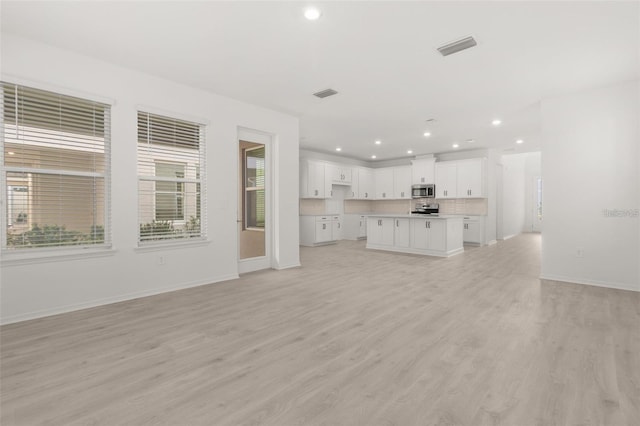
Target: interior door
254,201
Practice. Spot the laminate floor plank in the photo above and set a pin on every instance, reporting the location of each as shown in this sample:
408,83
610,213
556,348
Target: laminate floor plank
353,337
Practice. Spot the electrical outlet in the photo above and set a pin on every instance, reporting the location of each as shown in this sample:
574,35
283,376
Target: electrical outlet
579,252
162,260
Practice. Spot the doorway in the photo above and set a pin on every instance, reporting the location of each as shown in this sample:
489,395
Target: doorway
537,205
254,201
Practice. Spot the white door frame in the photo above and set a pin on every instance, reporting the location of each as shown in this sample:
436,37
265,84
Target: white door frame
266,139
536,225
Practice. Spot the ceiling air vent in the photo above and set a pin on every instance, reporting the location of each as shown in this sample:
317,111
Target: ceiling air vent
457,46
325,93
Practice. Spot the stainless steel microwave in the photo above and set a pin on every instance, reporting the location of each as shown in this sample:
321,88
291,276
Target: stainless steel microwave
423,191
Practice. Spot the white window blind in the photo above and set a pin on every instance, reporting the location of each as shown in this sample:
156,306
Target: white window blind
55,169
254,188
171,164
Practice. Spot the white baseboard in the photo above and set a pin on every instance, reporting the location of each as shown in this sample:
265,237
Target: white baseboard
492,242
506,237
293,265
596,283
109,300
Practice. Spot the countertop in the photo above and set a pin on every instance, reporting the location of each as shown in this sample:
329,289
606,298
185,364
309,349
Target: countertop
418,216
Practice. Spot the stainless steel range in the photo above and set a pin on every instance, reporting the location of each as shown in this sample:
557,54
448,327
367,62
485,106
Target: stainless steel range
433,209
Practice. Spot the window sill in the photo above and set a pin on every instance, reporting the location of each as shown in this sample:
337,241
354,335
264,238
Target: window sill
164,245
24,258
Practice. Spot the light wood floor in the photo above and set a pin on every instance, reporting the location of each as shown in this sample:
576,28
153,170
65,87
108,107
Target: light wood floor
355,337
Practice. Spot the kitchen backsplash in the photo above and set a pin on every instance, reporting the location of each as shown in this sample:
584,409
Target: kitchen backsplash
311,206
358,206
471,206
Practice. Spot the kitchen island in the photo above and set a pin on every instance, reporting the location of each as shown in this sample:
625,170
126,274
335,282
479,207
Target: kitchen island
431,235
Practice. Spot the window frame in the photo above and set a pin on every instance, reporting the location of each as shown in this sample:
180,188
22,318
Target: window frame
37,254
198,182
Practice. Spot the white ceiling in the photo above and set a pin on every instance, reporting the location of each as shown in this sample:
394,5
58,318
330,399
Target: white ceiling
380,56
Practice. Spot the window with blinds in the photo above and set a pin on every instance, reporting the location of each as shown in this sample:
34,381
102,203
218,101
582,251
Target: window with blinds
55,169
254,188
171,164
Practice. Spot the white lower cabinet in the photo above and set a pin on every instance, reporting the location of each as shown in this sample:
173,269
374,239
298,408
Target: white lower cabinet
319,230
380,231
402,235
429,234
473,230
418,235
355,227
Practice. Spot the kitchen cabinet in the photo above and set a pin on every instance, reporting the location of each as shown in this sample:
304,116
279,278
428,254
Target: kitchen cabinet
402,182
471,178
361,184
353,192
329,170
432,236
380,231
429,234
473,230
383,179
312,179
461,179
320,230
366,184
423,171
446,179
355,227
341,175
336,228
401,237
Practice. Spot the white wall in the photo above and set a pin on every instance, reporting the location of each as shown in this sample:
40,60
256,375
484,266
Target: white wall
590,163
37,289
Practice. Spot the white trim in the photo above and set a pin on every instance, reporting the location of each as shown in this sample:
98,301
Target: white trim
269,141
293,265
63,172
176,243
173,114
595,283
62,90
113,299
54,255
506,237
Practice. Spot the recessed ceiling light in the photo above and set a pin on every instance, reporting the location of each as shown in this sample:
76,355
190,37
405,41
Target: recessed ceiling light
496,122
455,145
409,152
427,134
378,142
373,156
311,13
519,141
338,149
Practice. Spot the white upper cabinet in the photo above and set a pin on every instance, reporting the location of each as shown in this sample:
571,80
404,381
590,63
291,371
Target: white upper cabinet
384,183
423,171
329,170
312,179
365,184
446,179
342,175
461,179
402,182
353,193
471,178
